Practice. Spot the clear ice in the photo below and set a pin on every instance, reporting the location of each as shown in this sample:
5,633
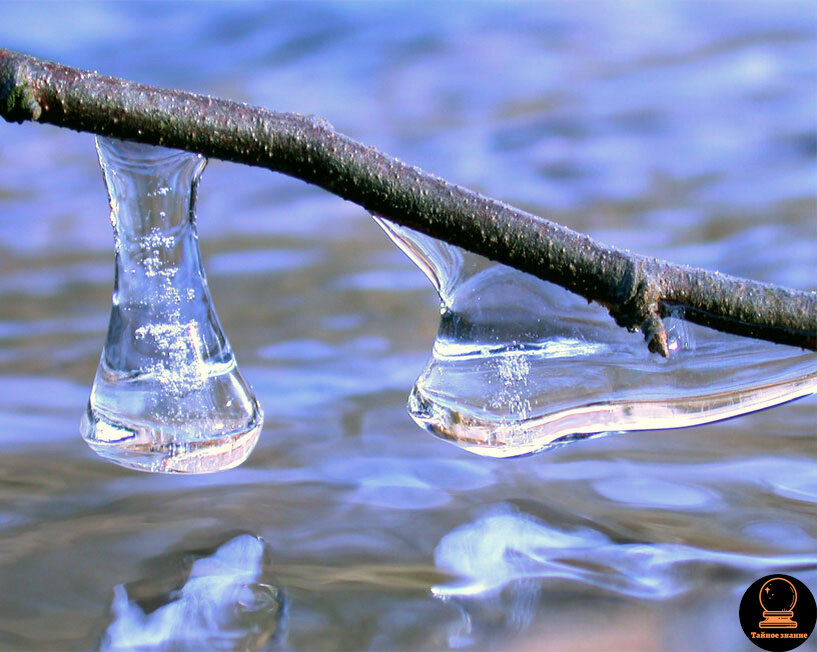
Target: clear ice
167,396
520,365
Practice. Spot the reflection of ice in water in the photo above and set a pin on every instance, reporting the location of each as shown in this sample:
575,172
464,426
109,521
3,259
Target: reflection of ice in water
506,547
520,364
167,395
221,606
507,566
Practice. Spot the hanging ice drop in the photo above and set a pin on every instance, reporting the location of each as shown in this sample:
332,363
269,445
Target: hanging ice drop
520,365
168,396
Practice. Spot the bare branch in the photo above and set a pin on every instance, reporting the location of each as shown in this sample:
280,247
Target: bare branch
637,290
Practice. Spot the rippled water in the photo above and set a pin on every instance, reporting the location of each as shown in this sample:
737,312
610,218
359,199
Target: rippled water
682,130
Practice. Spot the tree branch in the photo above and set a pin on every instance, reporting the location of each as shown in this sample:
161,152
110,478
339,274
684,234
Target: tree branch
637,290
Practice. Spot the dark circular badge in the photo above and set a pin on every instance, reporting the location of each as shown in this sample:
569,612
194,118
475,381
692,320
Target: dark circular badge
778,612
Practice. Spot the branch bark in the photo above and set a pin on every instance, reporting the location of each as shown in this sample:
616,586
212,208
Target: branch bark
637,290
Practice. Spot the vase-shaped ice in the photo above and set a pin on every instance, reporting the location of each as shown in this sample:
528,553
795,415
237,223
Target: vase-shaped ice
168,396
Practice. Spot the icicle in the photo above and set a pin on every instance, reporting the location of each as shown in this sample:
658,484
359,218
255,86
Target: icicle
168,396
520,364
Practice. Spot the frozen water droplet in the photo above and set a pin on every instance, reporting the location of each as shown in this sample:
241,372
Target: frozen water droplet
168,396
519,364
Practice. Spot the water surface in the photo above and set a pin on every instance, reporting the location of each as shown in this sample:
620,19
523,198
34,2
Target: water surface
682,130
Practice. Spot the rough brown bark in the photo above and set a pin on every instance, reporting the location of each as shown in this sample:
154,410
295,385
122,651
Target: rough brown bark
637,290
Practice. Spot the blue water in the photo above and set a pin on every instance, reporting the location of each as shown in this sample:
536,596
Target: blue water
684,130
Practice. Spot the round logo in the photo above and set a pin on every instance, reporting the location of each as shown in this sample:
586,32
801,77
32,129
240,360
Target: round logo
778,612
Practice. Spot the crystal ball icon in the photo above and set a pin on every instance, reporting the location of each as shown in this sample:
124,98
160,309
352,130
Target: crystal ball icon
777,597
778,594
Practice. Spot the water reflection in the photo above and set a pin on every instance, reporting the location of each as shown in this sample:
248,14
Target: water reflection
223,604
646,128
508,548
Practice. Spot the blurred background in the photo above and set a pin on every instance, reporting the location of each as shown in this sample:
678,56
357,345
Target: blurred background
684,130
